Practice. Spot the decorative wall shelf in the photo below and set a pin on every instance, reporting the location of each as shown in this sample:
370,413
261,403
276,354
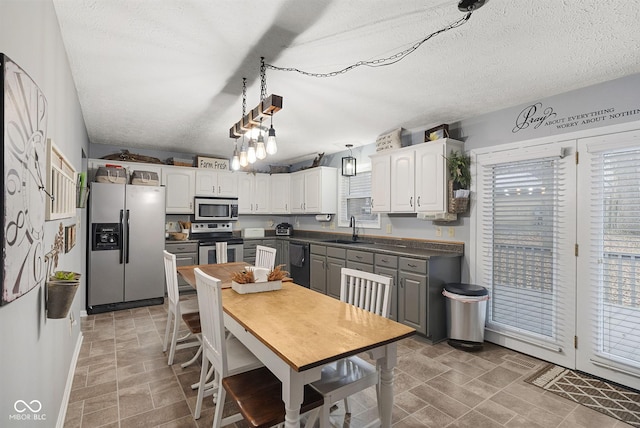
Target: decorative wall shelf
61,184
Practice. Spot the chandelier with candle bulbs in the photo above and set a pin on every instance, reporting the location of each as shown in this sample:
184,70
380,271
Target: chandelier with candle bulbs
255,148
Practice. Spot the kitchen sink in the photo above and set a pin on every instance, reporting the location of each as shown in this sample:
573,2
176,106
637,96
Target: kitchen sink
346,241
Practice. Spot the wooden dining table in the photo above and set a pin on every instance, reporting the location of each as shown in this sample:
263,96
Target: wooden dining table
296,331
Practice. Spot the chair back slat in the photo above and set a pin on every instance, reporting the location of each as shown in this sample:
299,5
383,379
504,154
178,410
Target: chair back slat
211,321
221,252
171,277
366,290
265,257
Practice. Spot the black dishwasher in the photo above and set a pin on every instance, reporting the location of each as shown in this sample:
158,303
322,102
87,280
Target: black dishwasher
300,265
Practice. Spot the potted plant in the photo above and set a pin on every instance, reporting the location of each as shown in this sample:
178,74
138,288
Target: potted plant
61,290
61,286
459,167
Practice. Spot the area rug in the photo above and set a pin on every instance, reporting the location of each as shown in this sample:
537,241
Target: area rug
612,400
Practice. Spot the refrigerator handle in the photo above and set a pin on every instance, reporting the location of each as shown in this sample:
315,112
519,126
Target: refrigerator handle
127,235
121,244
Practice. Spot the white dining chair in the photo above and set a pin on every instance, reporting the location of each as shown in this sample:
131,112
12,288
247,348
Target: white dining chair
175,310
265,257
348,376
221,252
227,355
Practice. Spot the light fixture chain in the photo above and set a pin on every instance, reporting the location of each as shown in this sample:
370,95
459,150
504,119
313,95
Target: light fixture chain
380,62
263,79
244,96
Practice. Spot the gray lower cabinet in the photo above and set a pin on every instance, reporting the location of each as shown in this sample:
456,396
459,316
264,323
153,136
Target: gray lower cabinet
249,250
326,269
388,266
335,263
186,254
282,254
318,268
421,304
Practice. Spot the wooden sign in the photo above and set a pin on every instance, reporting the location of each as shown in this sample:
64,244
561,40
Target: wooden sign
213,163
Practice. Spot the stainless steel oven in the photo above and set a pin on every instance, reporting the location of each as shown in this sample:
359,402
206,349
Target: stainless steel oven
208,234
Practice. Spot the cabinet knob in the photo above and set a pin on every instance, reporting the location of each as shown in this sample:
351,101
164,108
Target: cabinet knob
418,200
411,201
411,265
219,189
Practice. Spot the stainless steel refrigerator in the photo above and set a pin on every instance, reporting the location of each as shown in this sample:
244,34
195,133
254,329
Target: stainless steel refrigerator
126,235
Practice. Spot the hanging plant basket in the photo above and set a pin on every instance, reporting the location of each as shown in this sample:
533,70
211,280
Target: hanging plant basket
456,205
60,295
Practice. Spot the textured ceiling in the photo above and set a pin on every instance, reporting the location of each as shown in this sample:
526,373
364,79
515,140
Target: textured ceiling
167,74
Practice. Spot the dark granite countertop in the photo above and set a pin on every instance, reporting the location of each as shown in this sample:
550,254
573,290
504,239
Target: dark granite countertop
393,246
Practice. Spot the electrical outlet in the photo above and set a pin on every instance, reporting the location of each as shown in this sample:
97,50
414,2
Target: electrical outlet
452,232
332,225
438,231
324,225
389,228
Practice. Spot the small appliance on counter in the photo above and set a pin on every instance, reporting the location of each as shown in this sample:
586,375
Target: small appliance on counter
284,229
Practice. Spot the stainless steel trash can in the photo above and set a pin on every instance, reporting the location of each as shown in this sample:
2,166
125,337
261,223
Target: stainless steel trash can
466,307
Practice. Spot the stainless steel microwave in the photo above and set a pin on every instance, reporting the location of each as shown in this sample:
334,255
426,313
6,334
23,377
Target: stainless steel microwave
214,209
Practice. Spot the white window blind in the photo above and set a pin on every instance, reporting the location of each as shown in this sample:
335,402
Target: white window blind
615,242
522,216
355,200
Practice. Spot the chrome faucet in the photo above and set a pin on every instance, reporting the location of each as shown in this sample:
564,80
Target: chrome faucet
352,223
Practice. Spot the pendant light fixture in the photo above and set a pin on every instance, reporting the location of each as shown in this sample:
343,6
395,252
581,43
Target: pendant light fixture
235,160
349,163
272,147
258,149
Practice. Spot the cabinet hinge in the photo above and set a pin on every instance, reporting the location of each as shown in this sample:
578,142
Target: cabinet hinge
575,342
577,157
576,250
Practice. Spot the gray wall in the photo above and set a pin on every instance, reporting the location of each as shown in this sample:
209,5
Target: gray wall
608,103
36,352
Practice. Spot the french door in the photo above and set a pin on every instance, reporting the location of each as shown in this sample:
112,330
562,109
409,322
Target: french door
608,268
525,247
558,245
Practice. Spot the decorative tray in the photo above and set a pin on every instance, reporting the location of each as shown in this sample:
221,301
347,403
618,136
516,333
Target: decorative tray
256,287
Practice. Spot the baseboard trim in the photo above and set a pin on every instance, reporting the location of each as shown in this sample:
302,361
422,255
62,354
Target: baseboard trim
62,414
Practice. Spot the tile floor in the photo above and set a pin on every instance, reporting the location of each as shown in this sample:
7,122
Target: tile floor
122,380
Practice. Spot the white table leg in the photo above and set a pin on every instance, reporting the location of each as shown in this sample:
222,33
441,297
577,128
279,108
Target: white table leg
292,395
385,402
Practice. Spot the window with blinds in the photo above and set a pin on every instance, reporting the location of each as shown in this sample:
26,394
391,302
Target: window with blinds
616,243
355,200
523,201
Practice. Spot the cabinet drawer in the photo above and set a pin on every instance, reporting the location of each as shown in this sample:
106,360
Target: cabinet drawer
250,244
186,259
188,247
413,265
271,243
338,253
360,256
365,267
386,260
319,249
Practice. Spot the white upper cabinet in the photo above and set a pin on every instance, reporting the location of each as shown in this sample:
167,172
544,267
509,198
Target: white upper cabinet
412,179
254,192
314,191
180,189
280,194
402,182
381,183
215,183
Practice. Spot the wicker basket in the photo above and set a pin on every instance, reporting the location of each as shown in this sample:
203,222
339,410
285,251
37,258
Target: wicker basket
456,205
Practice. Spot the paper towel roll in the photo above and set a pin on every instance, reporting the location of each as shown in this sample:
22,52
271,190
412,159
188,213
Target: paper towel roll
323,217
